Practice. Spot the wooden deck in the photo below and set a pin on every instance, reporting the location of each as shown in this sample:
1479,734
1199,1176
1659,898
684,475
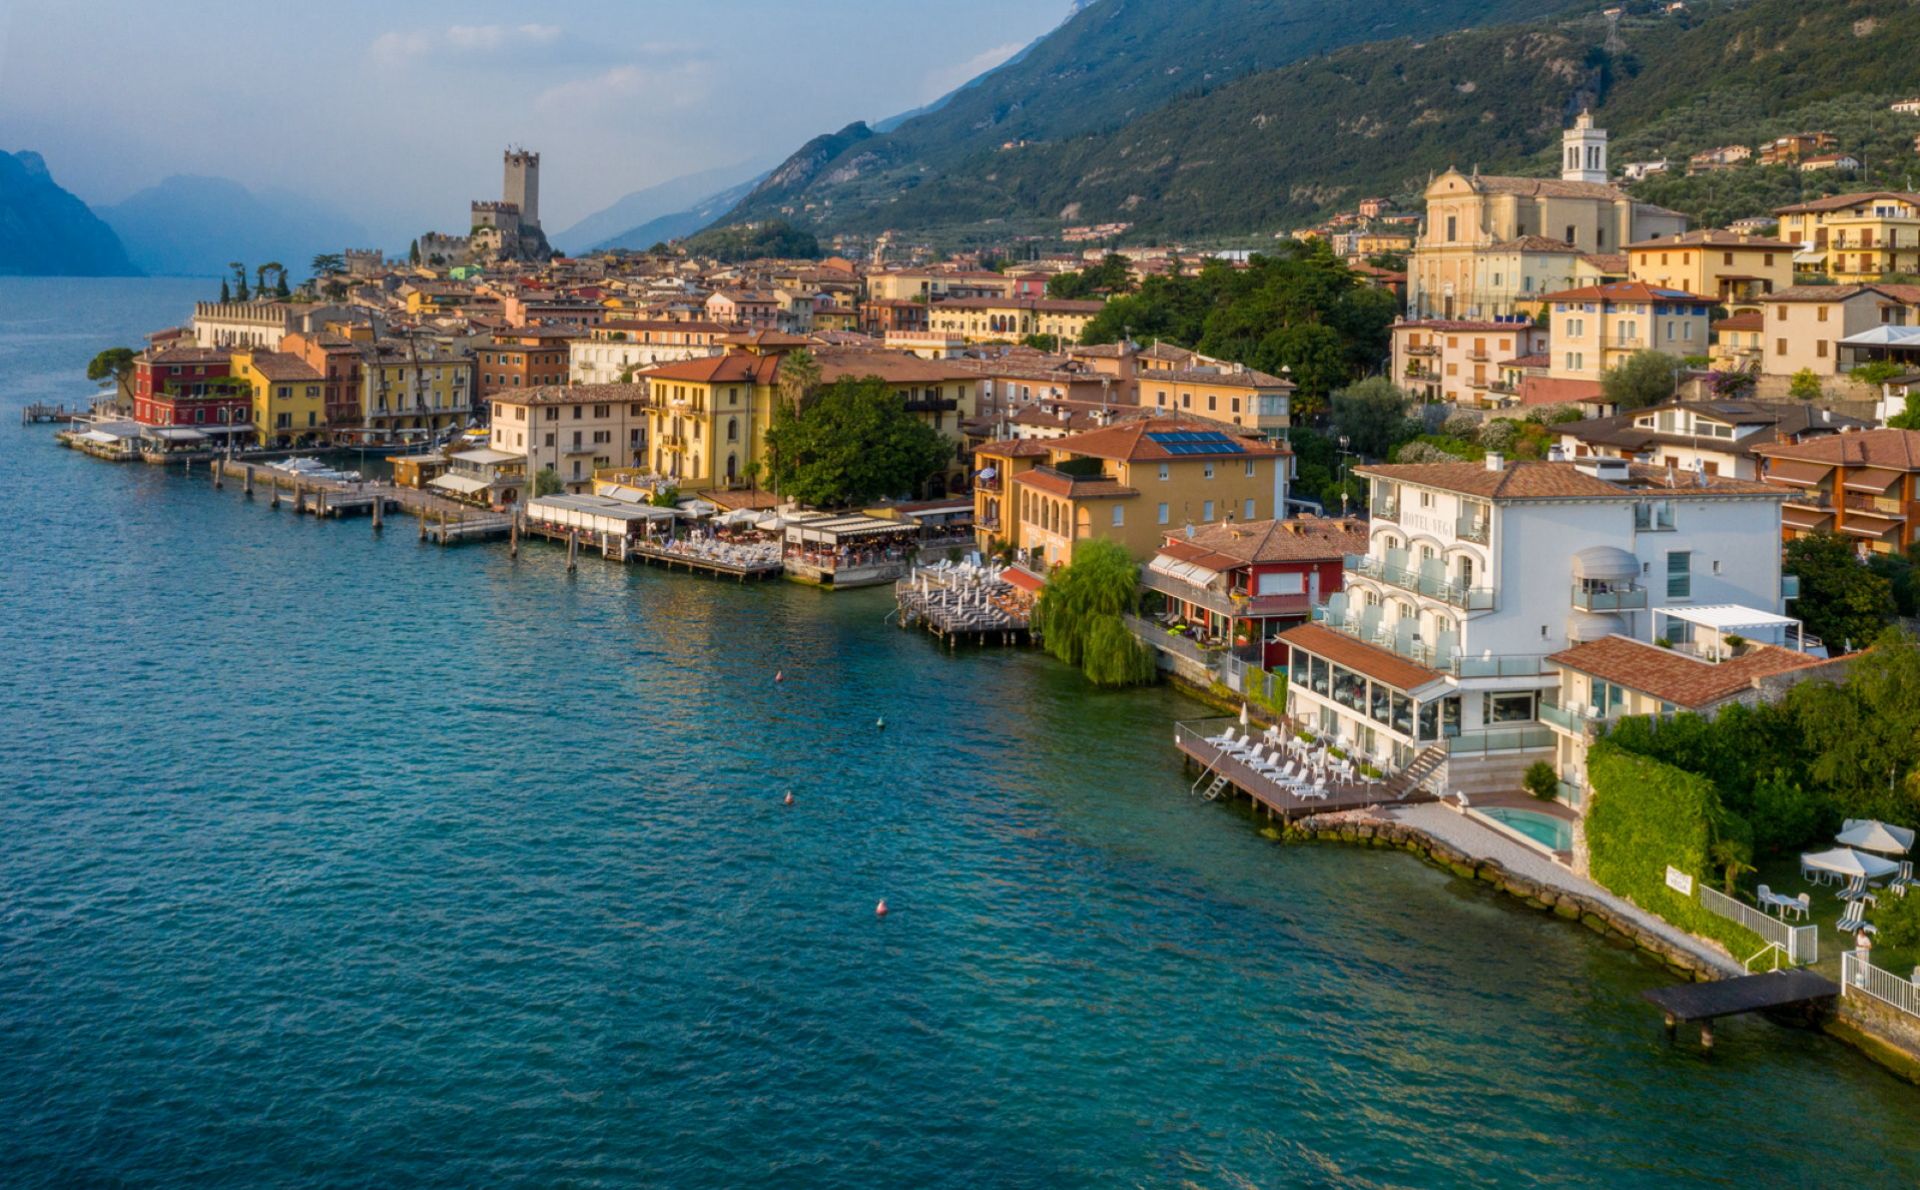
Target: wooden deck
1773,992
1271,795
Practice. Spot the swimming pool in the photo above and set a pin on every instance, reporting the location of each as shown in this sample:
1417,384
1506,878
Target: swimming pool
1555,834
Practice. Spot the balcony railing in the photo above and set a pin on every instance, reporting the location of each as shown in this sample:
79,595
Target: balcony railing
1477,529
1424,349
1568,719
1499,739
1811,498
1386,507
1875,506
1628,599
1501,665
1473,599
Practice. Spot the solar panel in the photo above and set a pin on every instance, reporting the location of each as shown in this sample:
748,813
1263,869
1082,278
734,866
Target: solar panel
1194,442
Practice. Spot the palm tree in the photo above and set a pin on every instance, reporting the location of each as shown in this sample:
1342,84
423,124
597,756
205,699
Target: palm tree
328,263
799,375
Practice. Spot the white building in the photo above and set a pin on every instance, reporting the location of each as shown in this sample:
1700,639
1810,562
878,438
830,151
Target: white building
1435,654
614,351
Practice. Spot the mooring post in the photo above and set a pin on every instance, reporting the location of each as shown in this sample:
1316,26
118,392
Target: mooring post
379,507
218,474
299,496
1673,1027
320,502
443,528
274,501
513,535
246,479
1706,1036
573,548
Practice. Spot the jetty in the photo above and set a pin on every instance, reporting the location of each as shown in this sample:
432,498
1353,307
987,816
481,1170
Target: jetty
956,602
1318,786
1798,990
444,521
41,412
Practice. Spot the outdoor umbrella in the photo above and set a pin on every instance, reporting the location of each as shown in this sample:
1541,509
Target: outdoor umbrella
1848,862
1870,835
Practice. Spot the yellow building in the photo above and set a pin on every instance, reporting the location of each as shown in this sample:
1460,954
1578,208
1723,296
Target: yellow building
989,320
1472,215
1597,327
933,285
1130,482
1856,237
1736,269
288,406
408,392
707,418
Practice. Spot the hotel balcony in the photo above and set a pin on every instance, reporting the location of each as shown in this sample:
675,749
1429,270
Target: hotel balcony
1477,529
1480,355
1233,606
1446,658
1385,507
1473,599
1424,349
1569,720
1626,599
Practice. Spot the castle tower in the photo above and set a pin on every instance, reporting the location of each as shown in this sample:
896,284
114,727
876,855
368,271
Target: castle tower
522,185
1583,153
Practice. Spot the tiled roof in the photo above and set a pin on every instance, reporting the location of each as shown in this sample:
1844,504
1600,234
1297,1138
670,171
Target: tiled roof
1752,320
278,365
1675,677
1840,202
572,394
1300,539
1549,390
1533,480
1625,291
1897,450
1904,294
894,367
1461,324
1038,305
1130,441
1534,244
1713,237
735,367
1544,187
1014,448
1356,655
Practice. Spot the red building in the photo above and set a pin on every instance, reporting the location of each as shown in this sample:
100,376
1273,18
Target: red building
189,386
879,317
1243,583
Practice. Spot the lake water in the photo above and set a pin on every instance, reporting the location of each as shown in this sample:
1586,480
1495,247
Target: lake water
334,858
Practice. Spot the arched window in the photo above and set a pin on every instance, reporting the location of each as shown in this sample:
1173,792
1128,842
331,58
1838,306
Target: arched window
733,429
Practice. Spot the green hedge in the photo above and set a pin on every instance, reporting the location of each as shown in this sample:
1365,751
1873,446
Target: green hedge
1644,816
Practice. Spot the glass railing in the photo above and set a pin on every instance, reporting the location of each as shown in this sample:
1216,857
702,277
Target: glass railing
1474,599
1568,792
1473,528
1387,508
1511,665
1500,739
1629,599
1566,718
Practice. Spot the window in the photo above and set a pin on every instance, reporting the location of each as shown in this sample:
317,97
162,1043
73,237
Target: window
1281,584
1248,510
1206,511
1680,574
1507,708
1249,468
1164,516
1206,472
1119,515
1166,472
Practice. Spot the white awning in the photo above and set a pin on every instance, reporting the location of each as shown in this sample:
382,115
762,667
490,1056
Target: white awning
1186,572
1729,617
1848,862
1605,563
177,434
466,485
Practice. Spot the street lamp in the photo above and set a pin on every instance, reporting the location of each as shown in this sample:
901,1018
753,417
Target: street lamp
1345,470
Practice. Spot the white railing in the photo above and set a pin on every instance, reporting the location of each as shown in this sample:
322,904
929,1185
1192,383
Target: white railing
1860,977
1801,943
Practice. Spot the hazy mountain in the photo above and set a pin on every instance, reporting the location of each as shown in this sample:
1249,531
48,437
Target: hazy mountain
680,224
45,231
668,199
192,226
1111,62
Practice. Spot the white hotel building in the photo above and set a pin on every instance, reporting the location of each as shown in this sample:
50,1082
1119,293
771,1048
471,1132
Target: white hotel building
1434,659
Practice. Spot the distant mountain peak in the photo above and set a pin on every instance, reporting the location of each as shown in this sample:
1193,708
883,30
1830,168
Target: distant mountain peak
46,231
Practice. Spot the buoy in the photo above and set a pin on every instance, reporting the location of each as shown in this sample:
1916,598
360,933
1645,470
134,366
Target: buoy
881,723
789,800
880,910
779,676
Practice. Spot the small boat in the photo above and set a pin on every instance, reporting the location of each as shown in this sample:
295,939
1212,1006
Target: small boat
310,468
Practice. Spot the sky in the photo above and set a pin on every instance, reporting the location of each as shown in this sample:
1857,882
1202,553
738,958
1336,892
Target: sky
397,111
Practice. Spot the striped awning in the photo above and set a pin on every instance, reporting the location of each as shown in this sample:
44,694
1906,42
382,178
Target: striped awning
1804,475
1805,518
1869,529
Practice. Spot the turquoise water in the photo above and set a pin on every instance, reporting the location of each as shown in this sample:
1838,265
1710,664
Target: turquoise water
1544,829
335,859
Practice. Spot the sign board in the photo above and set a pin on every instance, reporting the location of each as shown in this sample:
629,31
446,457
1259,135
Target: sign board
1679,881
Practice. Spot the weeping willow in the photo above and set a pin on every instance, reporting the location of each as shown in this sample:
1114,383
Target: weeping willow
1079,616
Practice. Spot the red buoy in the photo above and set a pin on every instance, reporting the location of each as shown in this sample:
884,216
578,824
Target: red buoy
779,675
880,910
789,800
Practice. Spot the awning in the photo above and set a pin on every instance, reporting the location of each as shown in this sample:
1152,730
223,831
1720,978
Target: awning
1605,563
177,434
1186,572
1797,474
1586,626
1870,479
97,437
1805,518
1869,531
466,485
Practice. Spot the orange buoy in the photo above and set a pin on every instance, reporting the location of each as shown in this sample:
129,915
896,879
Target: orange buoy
789,800
880,910
779,675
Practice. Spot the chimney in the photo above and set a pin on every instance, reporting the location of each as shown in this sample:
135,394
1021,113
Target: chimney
1495,462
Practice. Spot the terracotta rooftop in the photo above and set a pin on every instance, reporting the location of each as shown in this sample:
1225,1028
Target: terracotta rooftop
1897,450
1243,543
572,394
1356,655
1074,487
1675,677
1462,324
1713,237
1625,291
1840,202
735,367
894,367
1131,441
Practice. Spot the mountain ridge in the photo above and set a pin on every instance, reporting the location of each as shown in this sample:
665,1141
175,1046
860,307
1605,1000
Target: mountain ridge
192,225
46,230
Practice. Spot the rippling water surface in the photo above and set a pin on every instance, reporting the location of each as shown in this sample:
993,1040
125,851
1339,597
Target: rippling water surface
328,858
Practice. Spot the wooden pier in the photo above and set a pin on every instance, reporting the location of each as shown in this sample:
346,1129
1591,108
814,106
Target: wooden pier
1773,992
41,412
1221,771
964,604
443,521
615,548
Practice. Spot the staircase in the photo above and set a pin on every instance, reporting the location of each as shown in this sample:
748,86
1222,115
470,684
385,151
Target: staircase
1213,790
1425,766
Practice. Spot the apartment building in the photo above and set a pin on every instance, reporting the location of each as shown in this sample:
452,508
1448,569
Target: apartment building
572,429
1735,268
1009,320
288,406
613,351
1803,325
528,357
1863,486
707,418
1596,328
1475,573
1715,437
1460,360
1856,237
1130,482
